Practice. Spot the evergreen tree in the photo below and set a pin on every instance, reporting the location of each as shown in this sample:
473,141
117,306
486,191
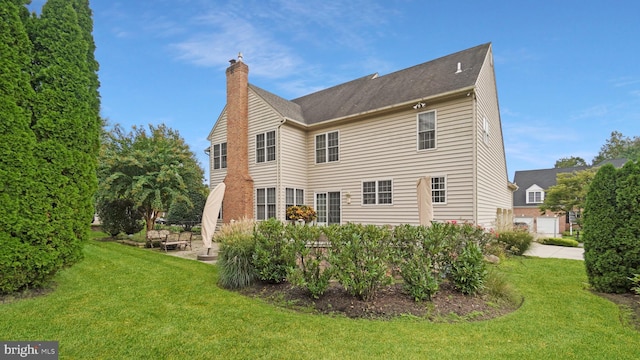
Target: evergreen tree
627,237
21,195
601,221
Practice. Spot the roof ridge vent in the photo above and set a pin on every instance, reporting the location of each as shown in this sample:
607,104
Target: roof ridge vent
459,68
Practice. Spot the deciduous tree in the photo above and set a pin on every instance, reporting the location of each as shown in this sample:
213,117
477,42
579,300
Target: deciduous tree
569,193
153,169
571,161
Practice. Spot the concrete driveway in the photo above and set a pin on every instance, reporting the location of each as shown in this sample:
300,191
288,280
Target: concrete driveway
553,251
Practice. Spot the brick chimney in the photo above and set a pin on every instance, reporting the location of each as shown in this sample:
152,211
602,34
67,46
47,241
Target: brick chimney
238,197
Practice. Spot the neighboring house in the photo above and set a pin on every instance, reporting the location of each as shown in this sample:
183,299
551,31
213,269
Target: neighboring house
356,150
532,185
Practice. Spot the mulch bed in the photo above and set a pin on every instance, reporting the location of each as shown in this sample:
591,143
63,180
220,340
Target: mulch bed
447,305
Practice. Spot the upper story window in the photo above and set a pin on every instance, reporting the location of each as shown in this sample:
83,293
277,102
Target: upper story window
535,195
427,130
377,192
439,190
220,156
327,147
266,146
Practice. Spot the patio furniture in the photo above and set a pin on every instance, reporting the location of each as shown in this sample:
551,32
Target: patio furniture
156,236
177,240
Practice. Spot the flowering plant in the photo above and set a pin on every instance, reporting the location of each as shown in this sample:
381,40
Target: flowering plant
301,212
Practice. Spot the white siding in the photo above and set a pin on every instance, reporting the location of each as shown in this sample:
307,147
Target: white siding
385,148
293,164
262,118
492,178
217,136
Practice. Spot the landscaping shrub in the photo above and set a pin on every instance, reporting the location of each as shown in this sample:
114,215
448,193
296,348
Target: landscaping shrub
119,216
559,242
274,255
415,254
517,241
636,283
311,272
235,259
360,257
468,269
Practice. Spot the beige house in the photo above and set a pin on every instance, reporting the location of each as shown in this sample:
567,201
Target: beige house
356,150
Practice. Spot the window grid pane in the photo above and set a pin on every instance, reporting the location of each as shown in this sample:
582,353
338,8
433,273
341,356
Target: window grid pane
369,192
223,155
438,193
333,146
384,192
334,208
271,146
260,204
299,197
426,131
289,197
216,156
321,207
260,148
321,148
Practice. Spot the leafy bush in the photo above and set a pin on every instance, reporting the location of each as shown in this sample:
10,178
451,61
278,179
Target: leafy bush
311,272
415,255
235,259
301,212
559,242
274,256
636,283
119,216
517,242
360,256
468,270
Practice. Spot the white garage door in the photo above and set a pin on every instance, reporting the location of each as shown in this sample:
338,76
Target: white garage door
524,220
548,226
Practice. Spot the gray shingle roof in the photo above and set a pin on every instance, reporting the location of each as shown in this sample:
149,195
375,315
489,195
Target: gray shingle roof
373,92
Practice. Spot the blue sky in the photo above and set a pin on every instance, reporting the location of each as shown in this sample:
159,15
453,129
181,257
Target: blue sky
568,72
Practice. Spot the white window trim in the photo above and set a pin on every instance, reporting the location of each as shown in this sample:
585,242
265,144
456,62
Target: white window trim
296,201
326,149
534,189
266,152
266,202
435,117
377,192
213,155
446,190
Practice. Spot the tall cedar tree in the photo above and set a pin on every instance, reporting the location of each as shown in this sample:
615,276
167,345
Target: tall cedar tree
601,222
628,234
59,152
21,196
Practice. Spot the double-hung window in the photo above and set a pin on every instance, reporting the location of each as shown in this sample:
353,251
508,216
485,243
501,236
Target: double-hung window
377,192
265,203
327,147
427,130
220,156
266,146
535,195
439,190
294,197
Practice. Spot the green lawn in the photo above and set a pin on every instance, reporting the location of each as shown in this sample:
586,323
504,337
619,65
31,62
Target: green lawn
128,303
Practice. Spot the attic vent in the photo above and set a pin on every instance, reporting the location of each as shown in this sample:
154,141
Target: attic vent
459,68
